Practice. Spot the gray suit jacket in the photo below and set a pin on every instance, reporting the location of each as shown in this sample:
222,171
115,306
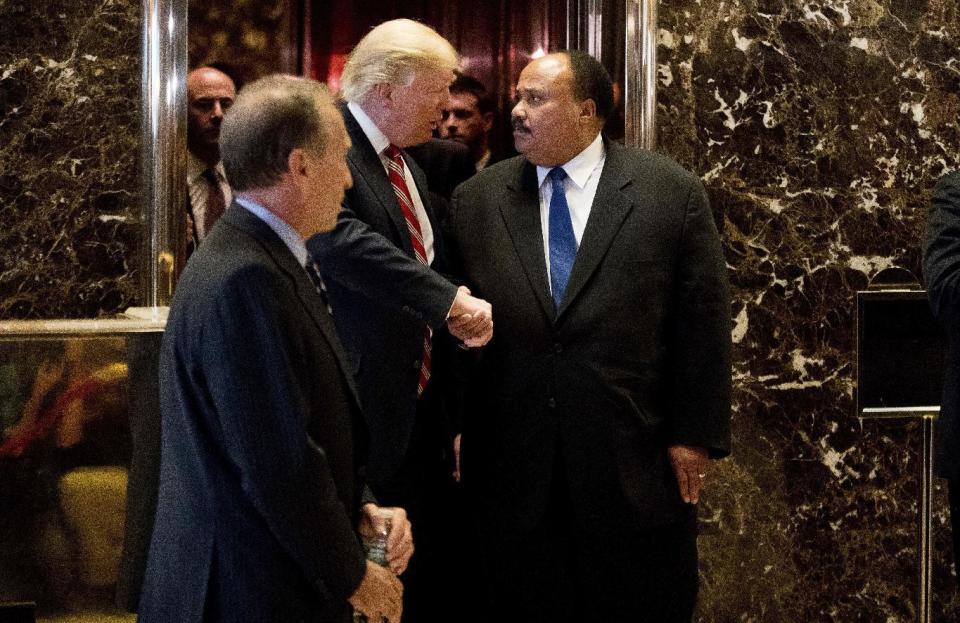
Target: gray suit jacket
637,357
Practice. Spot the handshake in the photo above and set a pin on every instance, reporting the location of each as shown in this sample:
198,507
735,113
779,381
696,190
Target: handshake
470,319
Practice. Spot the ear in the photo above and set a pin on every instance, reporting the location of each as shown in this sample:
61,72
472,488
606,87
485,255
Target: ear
384,91
588,110
297,162
487,121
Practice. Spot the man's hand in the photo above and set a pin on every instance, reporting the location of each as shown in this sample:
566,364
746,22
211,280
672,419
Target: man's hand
399,538
456,456
690,466
379,596
470,319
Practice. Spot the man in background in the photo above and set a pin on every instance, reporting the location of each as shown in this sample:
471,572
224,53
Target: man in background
262,438
398,316
210,93
468,119
593,412
941,271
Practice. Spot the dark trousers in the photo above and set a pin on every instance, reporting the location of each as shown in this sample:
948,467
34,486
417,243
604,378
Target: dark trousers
425,488
562,571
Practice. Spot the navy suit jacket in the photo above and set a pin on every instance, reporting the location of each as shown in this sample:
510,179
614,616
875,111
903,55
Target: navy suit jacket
637,357
941,271
383,299
259,478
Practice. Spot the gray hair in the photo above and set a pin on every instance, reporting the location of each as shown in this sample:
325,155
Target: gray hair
392,53
270,118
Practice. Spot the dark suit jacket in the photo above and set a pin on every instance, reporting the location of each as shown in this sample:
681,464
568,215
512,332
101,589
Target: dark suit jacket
259,481
941,271
383,299
637,357
447,164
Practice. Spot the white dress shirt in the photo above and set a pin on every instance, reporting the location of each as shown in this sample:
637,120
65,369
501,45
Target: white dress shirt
583,174
197,187
380,143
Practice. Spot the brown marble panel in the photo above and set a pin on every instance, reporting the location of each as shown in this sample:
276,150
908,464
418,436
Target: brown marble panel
69,145
819,129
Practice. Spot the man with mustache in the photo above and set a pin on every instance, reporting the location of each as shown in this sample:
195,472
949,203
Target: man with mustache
396,313
593,412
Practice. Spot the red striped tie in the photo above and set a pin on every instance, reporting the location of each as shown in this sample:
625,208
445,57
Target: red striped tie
399,183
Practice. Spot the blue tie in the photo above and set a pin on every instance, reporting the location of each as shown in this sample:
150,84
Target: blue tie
563,245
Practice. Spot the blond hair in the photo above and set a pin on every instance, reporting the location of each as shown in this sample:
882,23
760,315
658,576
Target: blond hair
392,53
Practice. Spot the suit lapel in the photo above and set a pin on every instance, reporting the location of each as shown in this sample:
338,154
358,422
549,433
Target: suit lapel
521,214
246,221
610,208
366,164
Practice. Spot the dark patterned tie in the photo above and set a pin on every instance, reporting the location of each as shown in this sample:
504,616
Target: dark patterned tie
395,169
215,204
563,244
313,271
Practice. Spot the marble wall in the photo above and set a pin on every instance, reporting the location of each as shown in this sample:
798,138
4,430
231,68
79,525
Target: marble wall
69,152
253,37
819,128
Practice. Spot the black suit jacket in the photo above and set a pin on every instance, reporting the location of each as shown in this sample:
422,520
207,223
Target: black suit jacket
383,299
636,359
259,484
941,271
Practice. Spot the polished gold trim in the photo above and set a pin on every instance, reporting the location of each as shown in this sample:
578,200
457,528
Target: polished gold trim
103,326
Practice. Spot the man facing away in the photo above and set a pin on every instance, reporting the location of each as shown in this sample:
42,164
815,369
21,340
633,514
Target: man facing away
210,93
941,270
593,411
260,480
394,310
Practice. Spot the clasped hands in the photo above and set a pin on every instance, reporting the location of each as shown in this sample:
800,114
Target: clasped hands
470,319
380,594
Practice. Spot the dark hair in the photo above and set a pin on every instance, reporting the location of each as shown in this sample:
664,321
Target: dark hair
591,81
271,117
468,84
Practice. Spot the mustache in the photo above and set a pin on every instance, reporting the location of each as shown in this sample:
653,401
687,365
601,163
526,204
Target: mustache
518,125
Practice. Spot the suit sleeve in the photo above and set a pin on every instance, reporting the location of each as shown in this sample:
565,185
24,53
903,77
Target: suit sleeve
364,260
700,343
257,382
941,249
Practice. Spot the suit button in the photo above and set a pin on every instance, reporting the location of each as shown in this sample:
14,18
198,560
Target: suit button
558,348
416,364
552,403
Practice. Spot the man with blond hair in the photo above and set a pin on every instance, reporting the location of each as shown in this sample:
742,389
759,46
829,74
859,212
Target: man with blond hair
260,490
398,317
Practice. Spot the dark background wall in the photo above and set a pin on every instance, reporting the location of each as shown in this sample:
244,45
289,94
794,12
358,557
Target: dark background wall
819,129
69,157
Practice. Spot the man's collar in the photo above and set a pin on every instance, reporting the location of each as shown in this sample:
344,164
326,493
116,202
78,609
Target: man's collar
579,168
377,138
283,229
196,167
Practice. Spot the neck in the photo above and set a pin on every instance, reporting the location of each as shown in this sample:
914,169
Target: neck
282,203
380,117
209,157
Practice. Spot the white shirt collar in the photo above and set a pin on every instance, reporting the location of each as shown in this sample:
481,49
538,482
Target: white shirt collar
377,138
196,167
287,233
578,168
